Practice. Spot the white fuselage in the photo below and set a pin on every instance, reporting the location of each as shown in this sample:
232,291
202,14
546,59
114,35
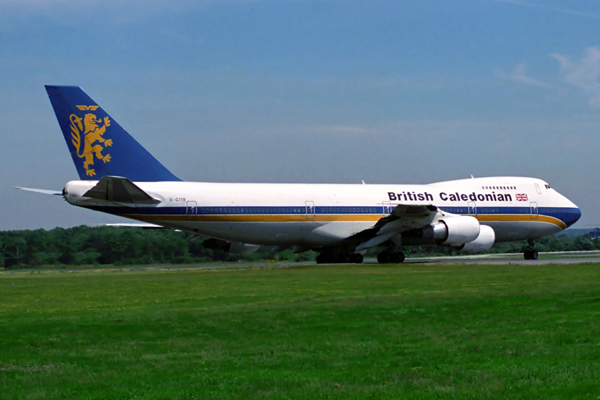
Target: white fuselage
318,215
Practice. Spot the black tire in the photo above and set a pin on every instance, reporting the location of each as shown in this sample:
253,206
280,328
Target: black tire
403,258
357,258
530,254
345,259
534,255
398,258
383,257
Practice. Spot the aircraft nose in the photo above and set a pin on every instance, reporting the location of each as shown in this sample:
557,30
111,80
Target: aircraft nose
572,216
572,213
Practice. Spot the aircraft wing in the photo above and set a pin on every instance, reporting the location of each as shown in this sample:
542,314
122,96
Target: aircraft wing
402,218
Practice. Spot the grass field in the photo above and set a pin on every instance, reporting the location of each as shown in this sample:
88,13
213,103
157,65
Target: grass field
311,332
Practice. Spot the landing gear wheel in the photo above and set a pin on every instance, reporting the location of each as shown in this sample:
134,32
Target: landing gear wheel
345,258
387,257
384,257
397,258
530,254
357,258
326,258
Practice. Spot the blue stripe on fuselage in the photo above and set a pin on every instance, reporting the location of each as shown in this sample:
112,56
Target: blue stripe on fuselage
567,215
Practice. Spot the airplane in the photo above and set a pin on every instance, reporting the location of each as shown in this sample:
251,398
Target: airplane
340,221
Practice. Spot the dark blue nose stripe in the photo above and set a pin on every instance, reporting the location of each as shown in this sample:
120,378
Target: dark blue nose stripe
571,217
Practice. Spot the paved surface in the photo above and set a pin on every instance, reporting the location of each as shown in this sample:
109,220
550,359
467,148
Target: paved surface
564,258
582,260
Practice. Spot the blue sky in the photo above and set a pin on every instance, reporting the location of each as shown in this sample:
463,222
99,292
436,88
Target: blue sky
413,91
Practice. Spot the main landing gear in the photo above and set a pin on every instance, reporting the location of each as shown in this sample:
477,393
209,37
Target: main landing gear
330,257
530,252
335,256
390,257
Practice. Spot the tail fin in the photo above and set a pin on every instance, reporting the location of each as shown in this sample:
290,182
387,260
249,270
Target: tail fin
98,144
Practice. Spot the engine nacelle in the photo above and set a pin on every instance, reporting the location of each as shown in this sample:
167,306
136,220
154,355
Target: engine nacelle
484,241
453,231
230,247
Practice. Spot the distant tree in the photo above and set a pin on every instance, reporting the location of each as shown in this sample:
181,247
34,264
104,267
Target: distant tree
14,244
584,243
112,245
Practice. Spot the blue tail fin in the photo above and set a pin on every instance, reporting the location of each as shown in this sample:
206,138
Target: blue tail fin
98,144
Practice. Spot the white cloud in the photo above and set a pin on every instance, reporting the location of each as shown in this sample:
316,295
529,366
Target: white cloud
556,9
519,74
583,73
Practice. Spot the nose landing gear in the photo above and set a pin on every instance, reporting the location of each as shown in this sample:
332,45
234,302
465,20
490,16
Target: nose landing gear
530,252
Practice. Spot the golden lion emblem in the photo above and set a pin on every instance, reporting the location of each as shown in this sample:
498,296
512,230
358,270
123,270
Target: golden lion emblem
89,127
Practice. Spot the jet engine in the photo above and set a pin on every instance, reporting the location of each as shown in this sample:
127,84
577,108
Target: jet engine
484,241
230,247
454,231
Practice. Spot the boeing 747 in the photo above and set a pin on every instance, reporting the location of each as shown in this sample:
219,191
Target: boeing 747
340,221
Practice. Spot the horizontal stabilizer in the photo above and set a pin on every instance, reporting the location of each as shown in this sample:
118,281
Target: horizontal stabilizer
42,191
120,190
143,225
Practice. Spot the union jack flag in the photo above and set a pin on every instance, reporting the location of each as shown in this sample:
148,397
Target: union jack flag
521,197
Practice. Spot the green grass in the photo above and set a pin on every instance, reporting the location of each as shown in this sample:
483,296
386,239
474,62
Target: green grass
348,332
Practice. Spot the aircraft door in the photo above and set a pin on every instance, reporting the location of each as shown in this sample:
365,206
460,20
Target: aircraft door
534,210
310,209
472,208
387,208
191,208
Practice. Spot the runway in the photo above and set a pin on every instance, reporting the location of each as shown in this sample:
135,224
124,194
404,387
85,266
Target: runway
562,257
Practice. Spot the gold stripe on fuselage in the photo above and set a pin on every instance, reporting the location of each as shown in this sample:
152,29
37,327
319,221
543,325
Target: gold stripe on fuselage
258,218
522,217
328,218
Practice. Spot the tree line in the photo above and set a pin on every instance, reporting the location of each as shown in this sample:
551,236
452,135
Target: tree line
85,245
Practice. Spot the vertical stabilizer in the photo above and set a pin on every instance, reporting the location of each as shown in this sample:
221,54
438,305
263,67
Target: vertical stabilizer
98,144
